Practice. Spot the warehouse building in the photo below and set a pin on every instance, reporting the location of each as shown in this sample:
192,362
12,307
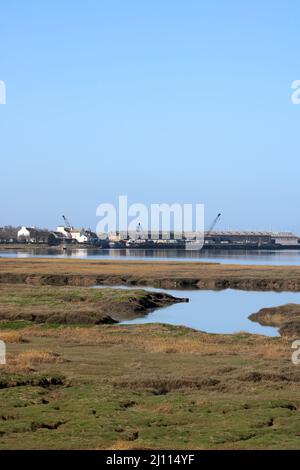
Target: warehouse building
252,238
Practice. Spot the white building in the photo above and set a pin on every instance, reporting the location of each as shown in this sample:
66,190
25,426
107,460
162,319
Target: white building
76,234
24,233
33,235
65,231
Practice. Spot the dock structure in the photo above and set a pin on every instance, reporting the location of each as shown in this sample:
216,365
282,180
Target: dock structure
252,237
212,239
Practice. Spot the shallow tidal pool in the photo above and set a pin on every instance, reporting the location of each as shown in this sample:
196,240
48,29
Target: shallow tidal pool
225,311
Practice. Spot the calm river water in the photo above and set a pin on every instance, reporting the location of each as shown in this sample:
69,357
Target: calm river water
284,257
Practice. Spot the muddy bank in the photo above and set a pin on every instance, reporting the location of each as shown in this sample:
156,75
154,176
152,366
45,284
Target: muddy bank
69,305
285,317
165,274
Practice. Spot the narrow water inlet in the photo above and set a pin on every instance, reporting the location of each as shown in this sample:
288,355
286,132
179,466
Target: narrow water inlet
223,312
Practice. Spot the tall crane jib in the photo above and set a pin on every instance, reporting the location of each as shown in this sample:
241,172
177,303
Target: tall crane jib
68,225
139,231
216,220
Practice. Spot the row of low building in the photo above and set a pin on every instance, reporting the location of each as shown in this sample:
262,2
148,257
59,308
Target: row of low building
66,235
245,238
76,234
252,237
35,235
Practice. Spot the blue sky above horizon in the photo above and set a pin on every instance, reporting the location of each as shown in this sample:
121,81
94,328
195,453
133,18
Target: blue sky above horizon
164,101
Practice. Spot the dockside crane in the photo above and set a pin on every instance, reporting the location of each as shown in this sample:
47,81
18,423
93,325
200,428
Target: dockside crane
68,225
139,231
214,223
67,238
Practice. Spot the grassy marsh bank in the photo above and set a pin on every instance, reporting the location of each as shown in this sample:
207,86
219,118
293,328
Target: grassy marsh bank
56,304
285,317
167,274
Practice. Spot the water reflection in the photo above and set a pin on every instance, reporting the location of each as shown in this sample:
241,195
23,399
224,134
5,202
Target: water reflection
284,257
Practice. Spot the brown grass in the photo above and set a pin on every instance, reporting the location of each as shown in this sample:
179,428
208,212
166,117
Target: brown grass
27,360
35,356
11,337
164,408
248,345
126,445
164,274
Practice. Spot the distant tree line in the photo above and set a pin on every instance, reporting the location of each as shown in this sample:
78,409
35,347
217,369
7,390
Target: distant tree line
9,234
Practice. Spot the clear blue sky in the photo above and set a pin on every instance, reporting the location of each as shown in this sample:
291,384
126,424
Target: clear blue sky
165,101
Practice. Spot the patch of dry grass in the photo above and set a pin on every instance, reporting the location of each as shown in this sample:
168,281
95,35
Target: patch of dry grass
38,356
161,339
126,445
12,337
164,408
28,360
